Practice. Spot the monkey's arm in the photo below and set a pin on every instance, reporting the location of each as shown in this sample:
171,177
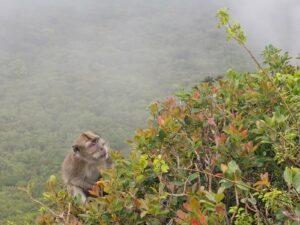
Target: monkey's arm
79,182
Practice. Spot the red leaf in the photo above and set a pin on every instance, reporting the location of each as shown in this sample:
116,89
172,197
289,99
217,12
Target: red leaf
202,218
171,102
94,191
218,174
196,95
194,222
249,147
244,134
222,138
161,121
137,203
214,89
180,214
211,121
187,206
232,129
217,139
220,209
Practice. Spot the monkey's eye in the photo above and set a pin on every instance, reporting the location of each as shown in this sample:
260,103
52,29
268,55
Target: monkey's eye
75,148
95,141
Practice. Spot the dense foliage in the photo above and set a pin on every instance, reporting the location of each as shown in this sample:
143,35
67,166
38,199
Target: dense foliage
226,152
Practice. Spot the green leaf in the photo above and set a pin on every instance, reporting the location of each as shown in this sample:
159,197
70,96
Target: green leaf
208,205
53,180
232,167
47,195
153,107
219,197
288,176
297,211
196,110
223,16
162,134
193,176
143,161
241,185
140,178
187,120
211,196
42,210
226,184
144,213
252,200
296,182
164,167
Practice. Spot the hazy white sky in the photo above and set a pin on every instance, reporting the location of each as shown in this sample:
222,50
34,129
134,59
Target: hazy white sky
269,21
24,21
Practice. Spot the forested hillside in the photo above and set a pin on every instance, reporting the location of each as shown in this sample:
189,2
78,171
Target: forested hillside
69,67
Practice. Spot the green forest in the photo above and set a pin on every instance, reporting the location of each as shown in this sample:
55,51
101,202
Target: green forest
221,151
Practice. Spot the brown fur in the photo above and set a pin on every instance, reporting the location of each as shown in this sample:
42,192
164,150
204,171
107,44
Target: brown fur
81,167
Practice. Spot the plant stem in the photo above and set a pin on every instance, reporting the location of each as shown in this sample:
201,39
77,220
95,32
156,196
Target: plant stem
268,77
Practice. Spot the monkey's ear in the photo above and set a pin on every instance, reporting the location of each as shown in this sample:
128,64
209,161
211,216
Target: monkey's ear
75,148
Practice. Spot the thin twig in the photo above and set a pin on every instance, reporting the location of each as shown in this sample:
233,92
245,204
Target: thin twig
226,217
68,214
40,203
262,215
237,204
184,189
224,178
269,78
170,222
199,178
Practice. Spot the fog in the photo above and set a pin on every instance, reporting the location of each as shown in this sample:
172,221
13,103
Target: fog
64,64
269,22
147,39
67,66
63,60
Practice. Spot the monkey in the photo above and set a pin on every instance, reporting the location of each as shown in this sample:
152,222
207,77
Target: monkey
81,166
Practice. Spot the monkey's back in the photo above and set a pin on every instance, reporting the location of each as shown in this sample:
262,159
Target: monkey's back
71,167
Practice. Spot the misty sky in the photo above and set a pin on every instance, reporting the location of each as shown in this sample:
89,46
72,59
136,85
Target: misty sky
123,53
269,21
66,24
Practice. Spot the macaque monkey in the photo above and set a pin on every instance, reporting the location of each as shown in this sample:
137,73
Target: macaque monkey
81,167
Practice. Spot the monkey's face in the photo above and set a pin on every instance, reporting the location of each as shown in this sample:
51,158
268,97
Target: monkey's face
90,147
97,148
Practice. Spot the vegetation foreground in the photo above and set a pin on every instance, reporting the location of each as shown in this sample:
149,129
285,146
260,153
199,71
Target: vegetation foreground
226,152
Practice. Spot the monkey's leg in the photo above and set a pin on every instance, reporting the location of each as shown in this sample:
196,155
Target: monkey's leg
76,191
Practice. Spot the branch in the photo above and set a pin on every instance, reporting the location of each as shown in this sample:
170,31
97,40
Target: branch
266,74
39,202
184,189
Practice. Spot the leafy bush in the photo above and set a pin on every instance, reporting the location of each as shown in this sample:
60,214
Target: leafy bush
225,152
